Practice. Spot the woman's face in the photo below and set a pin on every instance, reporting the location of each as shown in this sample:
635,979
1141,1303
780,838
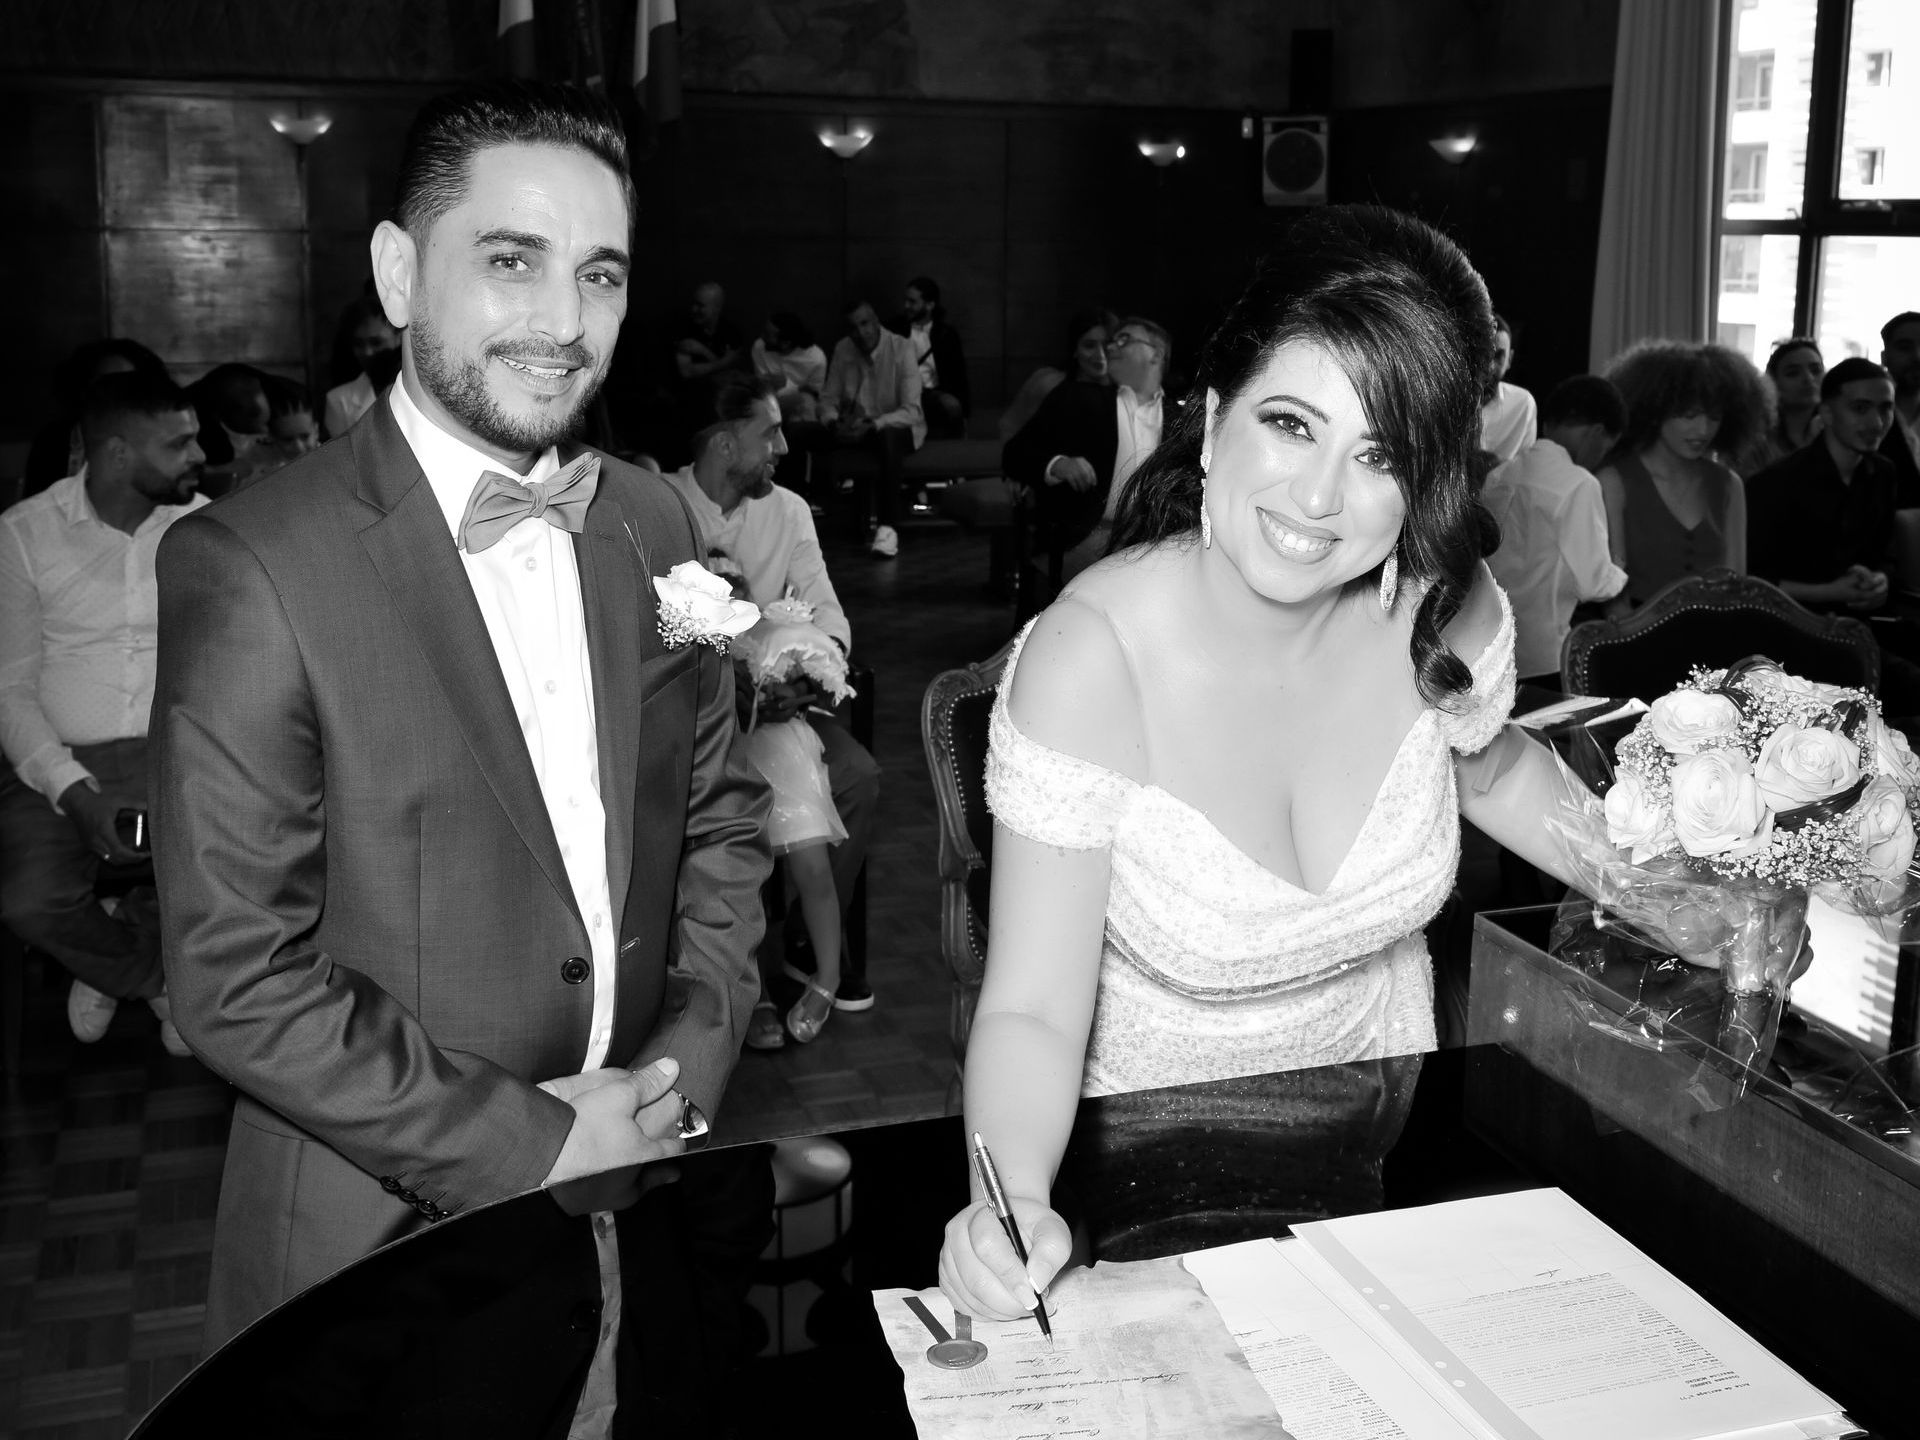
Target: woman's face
1690,436
1300,492
1090,354
1796,378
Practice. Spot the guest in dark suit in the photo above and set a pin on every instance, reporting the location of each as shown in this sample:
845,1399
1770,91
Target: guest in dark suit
1900,354
444,826
946,395
1084,443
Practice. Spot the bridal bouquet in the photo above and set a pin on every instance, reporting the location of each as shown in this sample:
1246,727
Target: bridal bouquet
1738,795
786,644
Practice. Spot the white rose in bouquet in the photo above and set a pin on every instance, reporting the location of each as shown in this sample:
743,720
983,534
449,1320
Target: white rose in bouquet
1687,721
1717,806
1635,820
1892,756
1764,680
1800,766
1886,830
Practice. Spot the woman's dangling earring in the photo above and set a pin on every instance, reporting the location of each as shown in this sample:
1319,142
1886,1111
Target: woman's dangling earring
1206,522
1390,578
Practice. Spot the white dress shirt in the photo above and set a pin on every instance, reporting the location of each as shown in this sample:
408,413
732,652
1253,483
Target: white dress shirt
1140,422
1509,423
345,404
1553,549
79,628
774,541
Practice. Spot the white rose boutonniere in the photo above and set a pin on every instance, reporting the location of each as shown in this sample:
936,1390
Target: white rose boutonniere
698,606
1687,721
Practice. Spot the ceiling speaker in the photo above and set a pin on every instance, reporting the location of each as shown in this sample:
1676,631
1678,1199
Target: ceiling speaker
1293,160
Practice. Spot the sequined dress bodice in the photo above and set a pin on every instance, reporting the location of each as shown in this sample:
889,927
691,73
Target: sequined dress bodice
1214,966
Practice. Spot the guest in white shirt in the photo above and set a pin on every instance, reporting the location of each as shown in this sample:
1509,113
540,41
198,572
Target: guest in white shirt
872,402
77,644
767,531
1078,453
1553,551
375,346
1508,422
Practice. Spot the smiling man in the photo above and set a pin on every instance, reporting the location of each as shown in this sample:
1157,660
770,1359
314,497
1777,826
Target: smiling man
449,842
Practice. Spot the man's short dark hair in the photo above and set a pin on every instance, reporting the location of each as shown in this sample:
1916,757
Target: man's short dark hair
854,307
112,400
928,287
734,398
1585,400
1905,317
451,129
1849,370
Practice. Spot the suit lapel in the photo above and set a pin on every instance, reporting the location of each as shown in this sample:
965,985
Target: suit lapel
619,612
413,552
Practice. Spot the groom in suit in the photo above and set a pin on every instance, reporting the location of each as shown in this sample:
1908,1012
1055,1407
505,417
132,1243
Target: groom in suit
448,839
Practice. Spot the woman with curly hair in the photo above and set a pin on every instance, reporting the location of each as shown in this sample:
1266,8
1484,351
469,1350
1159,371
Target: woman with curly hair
1674,508
1227,766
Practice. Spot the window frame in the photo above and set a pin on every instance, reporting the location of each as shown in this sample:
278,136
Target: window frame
1762,96
1822,213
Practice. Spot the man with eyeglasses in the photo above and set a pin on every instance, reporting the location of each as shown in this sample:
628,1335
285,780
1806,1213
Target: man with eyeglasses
1082,446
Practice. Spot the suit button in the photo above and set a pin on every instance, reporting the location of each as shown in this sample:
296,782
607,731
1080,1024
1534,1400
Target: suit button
575,971
409,1197
389,1184
585,1318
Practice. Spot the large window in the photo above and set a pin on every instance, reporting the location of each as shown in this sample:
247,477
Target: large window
1820,174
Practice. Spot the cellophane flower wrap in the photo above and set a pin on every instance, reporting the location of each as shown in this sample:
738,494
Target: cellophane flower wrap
1738,796
786,644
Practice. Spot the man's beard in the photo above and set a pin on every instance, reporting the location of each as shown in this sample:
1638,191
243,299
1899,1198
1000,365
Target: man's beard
755,483
461,388
168,489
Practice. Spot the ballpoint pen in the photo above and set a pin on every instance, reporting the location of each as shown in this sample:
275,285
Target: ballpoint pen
997,1198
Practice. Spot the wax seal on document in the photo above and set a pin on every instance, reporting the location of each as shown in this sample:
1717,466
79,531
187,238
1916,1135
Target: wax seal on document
948,1352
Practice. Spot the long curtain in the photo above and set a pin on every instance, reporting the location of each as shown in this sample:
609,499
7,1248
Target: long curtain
1655,271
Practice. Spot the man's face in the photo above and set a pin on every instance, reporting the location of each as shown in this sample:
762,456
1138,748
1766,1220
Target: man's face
516,296
917,308
1859,416
1502,354
371,337
1592,443
1133,359
708,301
864,325
163,456
1901,356
758,445
295,434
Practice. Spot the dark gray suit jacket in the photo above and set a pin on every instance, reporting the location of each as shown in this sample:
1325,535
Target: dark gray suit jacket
368,927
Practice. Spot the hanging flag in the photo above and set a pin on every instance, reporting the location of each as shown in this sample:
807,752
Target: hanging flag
656,61
519,55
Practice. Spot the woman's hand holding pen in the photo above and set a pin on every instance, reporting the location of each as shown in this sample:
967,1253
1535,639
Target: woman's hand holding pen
981,1274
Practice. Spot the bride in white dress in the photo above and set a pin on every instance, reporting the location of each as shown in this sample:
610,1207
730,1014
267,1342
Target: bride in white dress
1227,765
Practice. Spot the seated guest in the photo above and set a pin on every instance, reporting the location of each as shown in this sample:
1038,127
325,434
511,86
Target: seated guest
872,402
58,450
77,643
1553,522
1086,360
1078,452
375,347
1819,522
291,430
786,354
1900,354
231,401
1507,421
767,531
1673,508
1793,375
945,396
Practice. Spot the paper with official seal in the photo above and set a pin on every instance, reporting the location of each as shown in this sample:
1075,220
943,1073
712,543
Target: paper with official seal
1138,1349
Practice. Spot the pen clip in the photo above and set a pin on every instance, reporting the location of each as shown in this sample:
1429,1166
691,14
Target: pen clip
989,1178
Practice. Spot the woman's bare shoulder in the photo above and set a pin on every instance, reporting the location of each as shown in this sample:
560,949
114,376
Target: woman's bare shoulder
1074,689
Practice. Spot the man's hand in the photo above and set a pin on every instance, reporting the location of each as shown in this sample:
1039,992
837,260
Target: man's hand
1869,588
93,816
855,427
784,701
622,1121
1073,471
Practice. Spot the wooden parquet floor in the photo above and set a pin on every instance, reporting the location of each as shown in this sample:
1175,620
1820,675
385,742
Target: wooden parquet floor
110,1154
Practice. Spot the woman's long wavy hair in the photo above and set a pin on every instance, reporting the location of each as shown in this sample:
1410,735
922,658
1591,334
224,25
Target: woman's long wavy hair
1407,318
1660,379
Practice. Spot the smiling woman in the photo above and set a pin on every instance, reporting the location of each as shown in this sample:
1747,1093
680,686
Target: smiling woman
1223,765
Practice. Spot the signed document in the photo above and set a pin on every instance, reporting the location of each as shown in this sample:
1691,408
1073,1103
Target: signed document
1138,1349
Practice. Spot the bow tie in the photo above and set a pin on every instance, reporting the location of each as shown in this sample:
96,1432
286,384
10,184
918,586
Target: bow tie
501,502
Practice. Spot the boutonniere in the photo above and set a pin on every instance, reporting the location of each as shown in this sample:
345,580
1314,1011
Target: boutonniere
696,605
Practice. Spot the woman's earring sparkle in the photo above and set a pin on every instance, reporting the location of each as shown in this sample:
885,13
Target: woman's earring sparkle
1390,578
1206,522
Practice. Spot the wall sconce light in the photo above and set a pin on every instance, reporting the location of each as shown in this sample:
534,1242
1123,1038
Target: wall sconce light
302,129
848,143
1163,152
1454,149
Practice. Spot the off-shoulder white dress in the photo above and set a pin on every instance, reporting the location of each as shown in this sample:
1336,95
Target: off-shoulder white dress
1213,966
